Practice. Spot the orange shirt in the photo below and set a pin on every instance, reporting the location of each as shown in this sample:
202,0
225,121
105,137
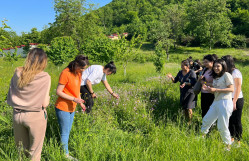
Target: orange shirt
72,87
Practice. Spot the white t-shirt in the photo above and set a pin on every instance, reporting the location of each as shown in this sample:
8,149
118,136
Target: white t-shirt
221,83
237,74
94,74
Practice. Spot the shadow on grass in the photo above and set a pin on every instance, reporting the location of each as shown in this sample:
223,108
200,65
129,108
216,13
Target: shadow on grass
186,51
242,62
148,47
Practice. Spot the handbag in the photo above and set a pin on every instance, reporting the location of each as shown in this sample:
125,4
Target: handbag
197,87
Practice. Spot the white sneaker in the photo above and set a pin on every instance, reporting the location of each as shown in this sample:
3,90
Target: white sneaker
71,158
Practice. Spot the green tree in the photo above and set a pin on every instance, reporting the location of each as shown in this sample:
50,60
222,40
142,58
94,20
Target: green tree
62,49
159,57
240,20
209,21
127,50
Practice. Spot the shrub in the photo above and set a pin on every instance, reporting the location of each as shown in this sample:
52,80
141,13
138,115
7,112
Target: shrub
62,49
239,41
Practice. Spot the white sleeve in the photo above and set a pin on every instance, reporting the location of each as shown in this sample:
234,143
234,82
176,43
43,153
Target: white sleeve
236,74
104,77
229,79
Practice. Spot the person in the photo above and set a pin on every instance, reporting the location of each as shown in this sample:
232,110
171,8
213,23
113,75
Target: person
68,90
235,126
206,77
222,107
93,75
29,96
187,79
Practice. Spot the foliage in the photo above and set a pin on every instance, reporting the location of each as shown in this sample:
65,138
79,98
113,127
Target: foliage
159,57
4,41
126,50
240,19
239,41
11,56
62,49
44,47
209,22
102,49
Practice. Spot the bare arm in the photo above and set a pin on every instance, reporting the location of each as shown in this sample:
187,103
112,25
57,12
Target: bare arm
229,88
89,87
47,97
109,89
59,92
237,84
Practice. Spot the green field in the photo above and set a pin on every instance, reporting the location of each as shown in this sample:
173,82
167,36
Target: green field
146,123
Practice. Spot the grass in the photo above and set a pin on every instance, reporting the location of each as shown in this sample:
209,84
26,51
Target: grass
146,123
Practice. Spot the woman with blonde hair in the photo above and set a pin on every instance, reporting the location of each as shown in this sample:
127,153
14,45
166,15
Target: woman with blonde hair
29,97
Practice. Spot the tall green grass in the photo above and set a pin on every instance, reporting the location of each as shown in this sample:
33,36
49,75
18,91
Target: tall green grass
146,123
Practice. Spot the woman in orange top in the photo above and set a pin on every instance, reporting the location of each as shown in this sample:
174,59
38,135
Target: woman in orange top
68,91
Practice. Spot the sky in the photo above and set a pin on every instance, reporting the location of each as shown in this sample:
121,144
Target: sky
22,15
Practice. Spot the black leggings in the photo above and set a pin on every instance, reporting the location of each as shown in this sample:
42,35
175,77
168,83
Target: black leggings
86,96
206,101
235,126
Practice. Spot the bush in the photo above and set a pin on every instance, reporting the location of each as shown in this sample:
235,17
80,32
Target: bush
62,49
44,47
239,41
102,49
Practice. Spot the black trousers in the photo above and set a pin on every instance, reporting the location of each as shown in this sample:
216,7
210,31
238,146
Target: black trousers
206,101
235,126
86,96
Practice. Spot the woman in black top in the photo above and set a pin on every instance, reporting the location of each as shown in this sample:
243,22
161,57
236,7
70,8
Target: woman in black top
187,79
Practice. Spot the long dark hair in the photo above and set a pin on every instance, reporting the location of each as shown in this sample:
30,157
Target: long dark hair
230,63
79,61
210,57
111,66
224,68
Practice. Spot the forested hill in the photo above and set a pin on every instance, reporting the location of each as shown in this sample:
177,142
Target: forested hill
208,23
140,16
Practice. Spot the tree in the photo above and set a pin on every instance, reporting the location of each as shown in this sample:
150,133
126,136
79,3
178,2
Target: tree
209,21
240,20
4,41
159,57
62,49
161,31
126,51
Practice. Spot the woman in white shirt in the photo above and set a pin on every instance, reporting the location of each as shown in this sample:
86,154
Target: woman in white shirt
94,75
222,107
235,125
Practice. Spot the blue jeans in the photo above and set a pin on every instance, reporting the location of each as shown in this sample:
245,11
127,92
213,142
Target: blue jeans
65,120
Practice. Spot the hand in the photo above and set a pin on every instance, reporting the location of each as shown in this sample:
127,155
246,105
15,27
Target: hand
205,87
83,107
115,95
200,78
183,85
234,106
93,95
78,100
169,75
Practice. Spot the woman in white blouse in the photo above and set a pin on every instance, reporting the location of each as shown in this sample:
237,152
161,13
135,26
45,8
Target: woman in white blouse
235,126
94,75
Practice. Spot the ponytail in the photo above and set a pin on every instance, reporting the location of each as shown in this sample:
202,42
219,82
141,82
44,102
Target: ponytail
111,66
79,61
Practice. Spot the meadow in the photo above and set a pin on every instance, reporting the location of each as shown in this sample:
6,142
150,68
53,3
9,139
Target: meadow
146,123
